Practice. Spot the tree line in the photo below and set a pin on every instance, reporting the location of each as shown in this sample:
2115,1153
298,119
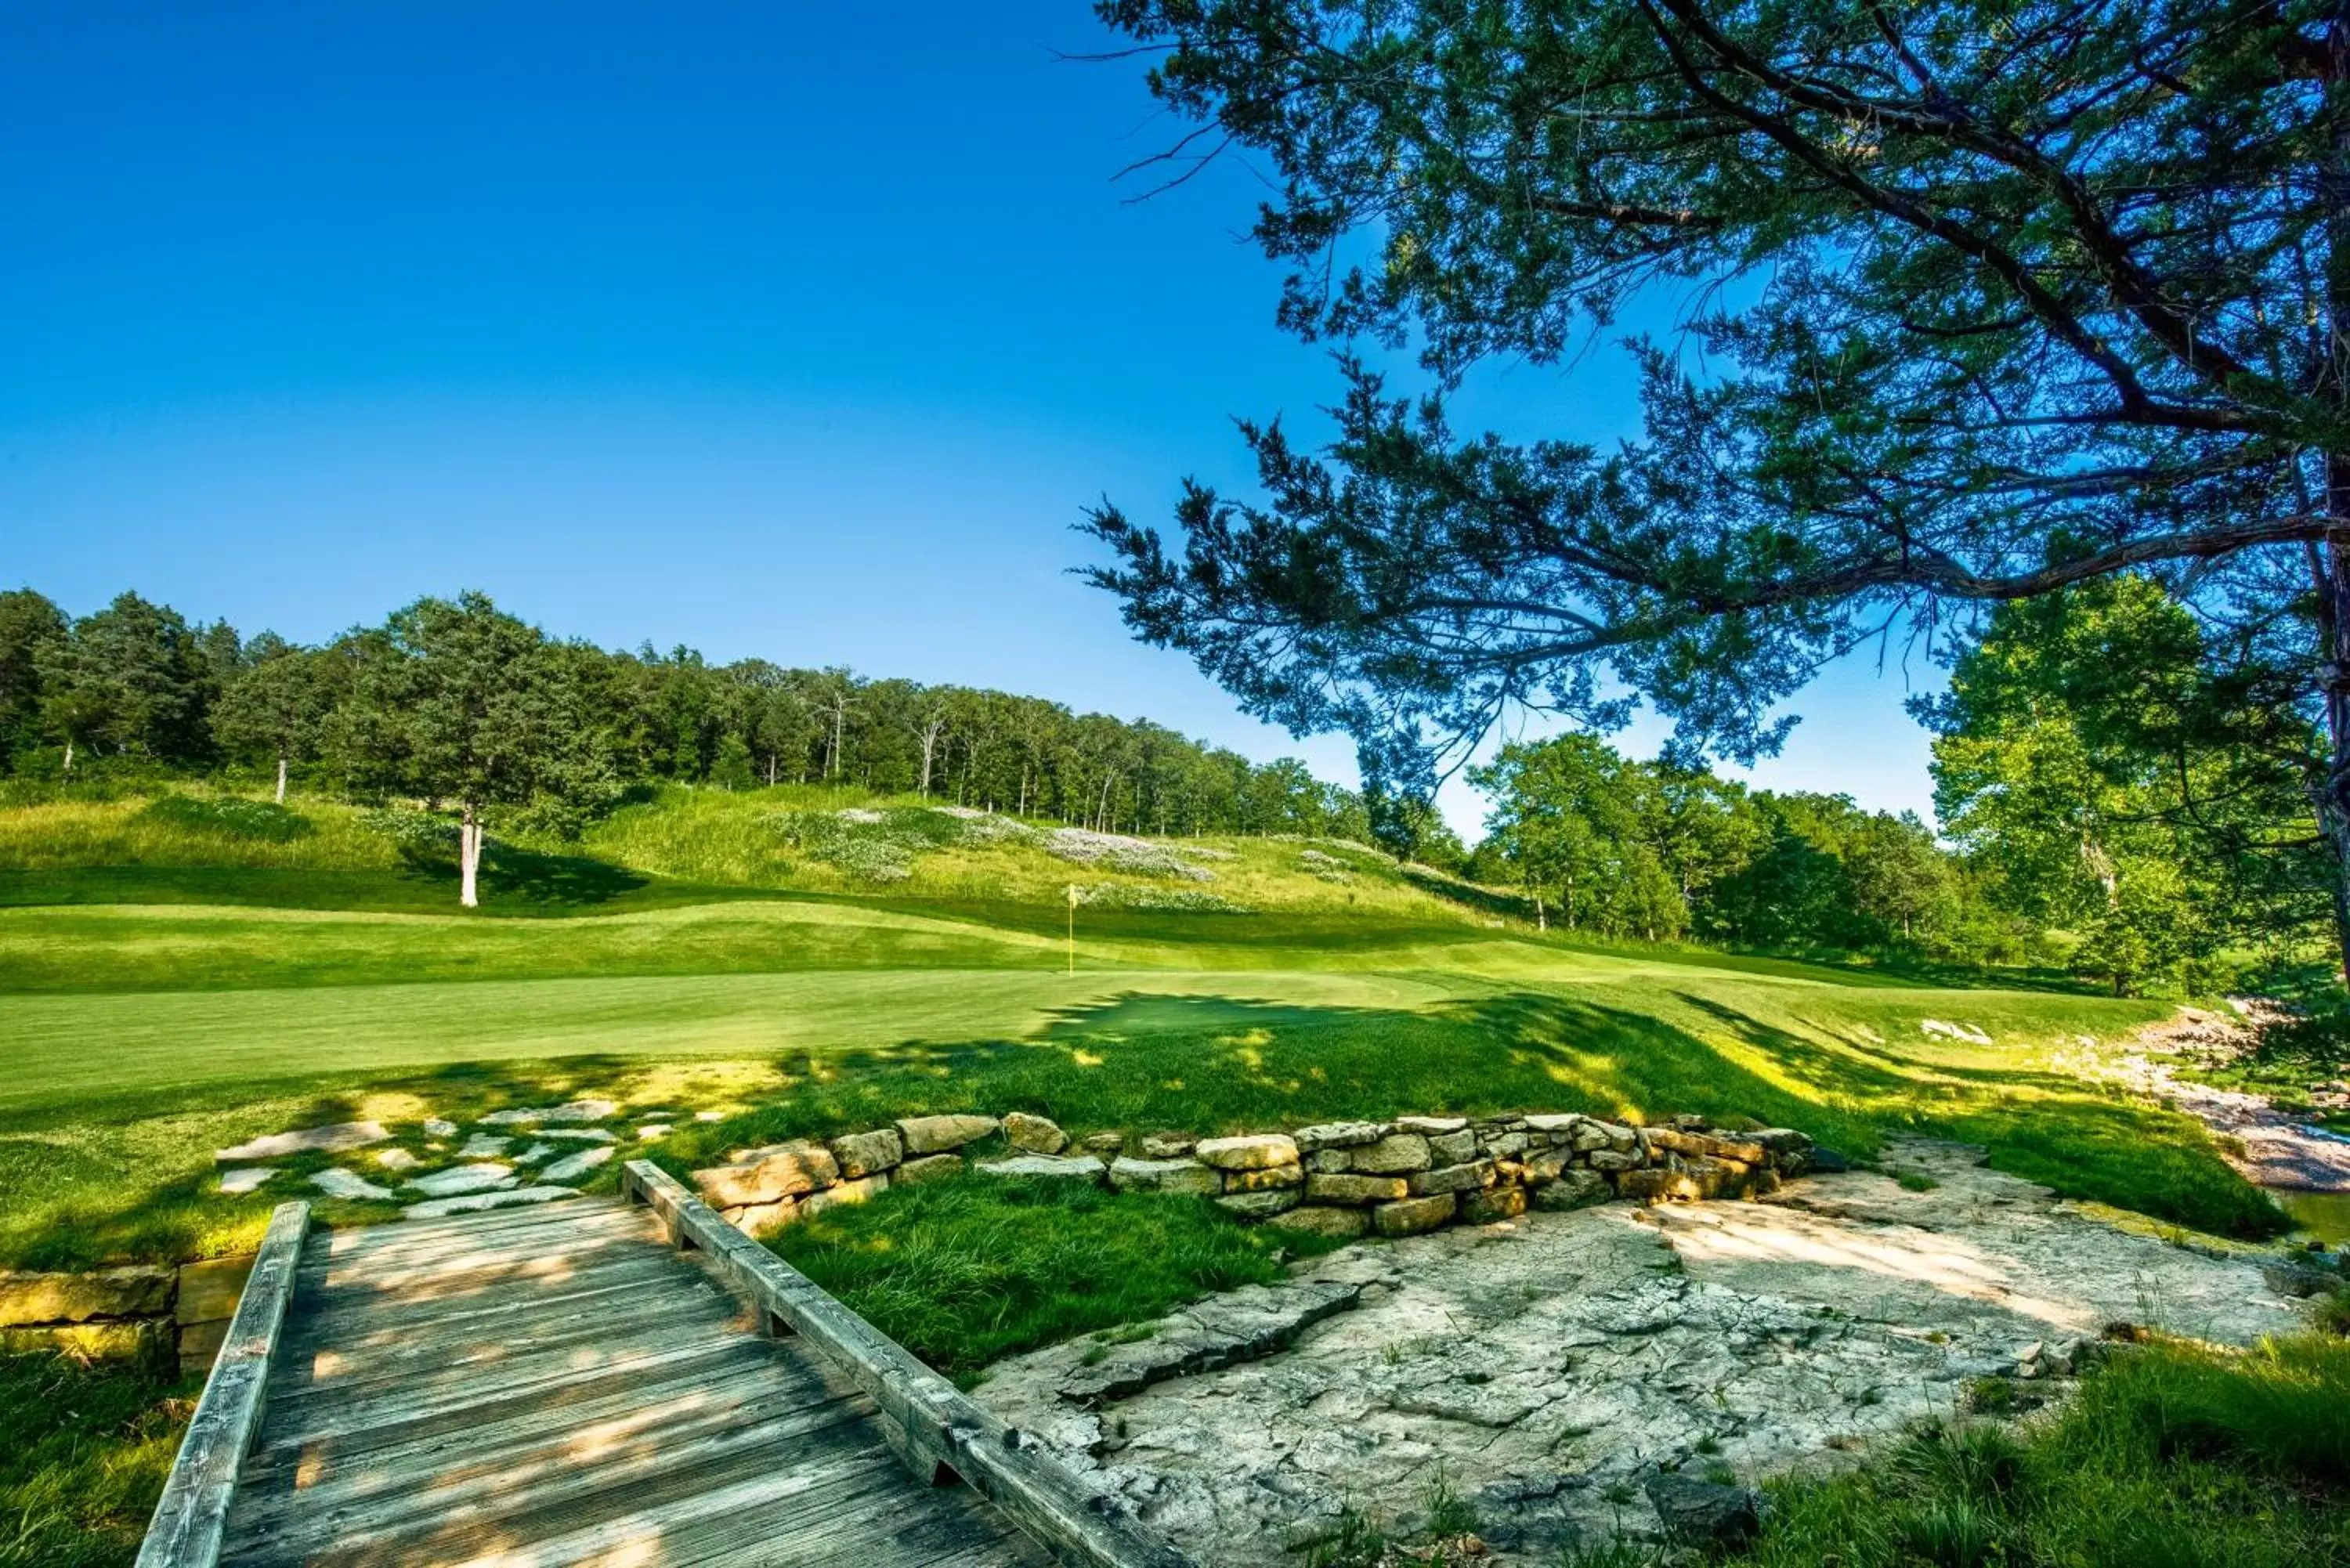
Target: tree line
2093,776
457,702
2107,802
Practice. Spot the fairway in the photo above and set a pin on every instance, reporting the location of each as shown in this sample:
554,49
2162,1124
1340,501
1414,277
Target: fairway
191,1040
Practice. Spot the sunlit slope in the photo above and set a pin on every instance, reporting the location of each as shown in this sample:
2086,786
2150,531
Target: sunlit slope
690,845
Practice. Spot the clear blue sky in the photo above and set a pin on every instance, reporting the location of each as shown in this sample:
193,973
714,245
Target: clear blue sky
764,328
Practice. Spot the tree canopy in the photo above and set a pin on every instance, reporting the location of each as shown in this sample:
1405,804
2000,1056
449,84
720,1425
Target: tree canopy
1993,297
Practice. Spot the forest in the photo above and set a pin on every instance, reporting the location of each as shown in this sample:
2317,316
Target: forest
2104,812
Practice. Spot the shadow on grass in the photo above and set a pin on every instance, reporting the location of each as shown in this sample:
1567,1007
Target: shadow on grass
533,877
527,886
1209,1064
1205,1064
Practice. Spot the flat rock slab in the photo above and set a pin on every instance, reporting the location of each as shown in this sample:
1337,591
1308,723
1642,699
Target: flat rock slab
572,1167
462,1178
331,1139
1552,1364
1064,1167
468,1203
484,1145
336,1182
569,1111
245,1177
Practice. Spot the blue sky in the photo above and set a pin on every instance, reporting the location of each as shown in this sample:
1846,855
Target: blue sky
766,329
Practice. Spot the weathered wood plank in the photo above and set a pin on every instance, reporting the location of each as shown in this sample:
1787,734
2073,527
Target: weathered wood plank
356,1321
189,1521
435,1522
483,1264
408,1235
517,1454
347,1432
775,1506
331,1361
937,1424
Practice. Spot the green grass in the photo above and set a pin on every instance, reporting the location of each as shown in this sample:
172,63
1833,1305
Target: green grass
2171,1456
83,1454
961,1272
178,975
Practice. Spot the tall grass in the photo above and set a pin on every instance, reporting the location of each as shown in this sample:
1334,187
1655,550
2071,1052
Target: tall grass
83,1454
2172,1455
191,829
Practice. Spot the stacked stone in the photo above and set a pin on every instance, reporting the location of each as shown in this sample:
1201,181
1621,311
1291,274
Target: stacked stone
141,1311
763,1189
1338,1179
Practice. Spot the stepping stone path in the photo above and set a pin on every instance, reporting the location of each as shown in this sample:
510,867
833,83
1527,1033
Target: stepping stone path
463,1178
336,1182
332,1139
488,1179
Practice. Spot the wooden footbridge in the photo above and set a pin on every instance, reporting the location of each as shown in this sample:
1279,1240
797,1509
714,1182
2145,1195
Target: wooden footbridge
629,1383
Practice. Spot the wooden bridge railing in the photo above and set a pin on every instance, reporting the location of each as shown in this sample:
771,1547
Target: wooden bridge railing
189,1521
932,1425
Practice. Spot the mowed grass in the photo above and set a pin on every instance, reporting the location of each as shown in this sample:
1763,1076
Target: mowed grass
962,1270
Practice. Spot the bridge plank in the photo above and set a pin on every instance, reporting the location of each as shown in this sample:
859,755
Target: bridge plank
560,1389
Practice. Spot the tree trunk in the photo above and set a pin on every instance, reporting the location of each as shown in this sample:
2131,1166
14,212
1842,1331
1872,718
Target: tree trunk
1542,920
2332,792
469,859
281,778
2330,565
69,756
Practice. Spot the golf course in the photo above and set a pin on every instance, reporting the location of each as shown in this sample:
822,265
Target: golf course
163,1003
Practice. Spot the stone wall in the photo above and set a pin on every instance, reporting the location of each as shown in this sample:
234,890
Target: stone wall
137,1313
1338,1179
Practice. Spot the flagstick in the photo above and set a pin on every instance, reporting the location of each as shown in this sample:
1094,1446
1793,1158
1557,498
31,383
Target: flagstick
1072,931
